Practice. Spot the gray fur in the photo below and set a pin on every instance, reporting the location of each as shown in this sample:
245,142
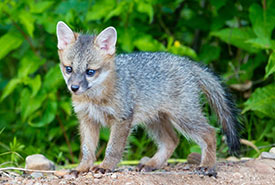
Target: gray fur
147,85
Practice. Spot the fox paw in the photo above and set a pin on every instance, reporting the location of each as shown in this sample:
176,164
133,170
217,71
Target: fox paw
144,168
75,173
207,171
98,169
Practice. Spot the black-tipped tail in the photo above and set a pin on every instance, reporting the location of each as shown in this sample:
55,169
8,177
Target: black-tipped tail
224,107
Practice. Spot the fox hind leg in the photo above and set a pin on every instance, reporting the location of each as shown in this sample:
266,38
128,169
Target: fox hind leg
203,134
166,139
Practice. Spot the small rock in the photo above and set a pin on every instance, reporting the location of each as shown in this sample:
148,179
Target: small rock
36,174
267,155
245,158
114,176
272,150
237,175
39,162
62,182
89,175
96,180
68,176
97,175
232,158
128,183
61,173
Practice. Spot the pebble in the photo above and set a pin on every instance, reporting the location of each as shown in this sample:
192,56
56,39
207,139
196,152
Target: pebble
96,180
114,176
61,173
36,174
39,162
128,183
89,175
272,150
232,158
237,175
97,175
68,176
267,155
62,182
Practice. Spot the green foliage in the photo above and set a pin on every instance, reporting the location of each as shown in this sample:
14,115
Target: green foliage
235,38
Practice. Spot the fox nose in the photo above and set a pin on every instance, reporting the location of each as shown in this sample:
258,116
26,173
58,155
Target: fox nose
74,88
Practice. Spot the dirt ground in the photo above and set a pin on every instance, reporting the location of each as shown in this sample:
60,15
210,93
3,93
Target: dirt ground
254,171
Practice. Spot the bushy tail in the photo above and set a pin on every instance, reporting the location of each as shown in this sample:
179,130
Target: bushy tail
223,105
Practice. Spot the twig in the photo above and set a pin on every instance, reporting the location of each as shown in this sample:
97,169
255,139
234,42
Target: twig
164,27
27,170
66,137
22,33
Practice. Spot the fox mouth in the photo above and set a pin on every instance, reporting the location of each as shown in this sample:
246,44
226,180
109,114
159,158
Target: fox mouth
80,91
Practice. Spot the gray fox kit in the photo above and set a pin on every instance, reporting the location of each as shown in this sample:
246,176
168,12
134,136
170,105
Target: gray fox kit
157,89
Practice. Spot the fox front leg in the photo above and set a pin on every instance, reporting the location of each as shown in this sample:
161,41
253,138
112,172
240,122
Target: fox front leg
89,132
115,147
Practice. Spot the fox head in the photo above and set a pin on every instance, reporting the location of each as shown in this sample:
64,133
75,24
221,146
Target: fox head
86,61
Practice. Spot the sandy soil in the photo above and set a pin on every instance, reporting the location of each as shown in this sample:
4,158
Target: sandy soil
255,171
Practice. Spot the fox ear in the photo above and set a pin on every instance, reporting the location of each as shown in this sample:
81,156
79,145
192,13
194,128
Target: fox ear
106,40
64,34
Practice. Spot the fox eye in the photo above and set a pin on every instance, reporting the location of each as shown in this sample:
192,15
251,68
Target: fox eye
68,69
90,72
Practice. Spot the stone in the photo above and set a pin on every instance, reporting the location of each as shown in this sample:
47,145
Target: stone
114,176
61,173
97,175
39,162
36,174
267,155
272,150
232,158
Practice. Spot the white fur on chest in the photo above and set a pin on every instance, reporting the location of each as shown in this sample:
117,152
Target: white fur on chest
95,112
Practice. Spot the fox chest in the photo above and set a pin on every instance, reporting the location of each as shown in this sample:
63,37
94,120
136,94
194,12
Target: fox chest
99,114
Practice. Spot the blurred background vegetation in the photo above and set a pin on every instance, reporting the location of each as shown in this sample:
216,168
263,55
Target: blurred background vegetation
234,38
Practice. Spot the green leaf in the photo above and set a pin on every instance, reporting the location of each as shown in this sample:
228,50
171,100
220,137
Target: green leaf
218,4
35,84
40,7
237,37
99,9
126,42
9,42
262,100
29,64
146,8
10,87
48,115
205,55
29,104
261,43
263,21
183,51
121,7
270,68
66,106
53,79
147,43
27,20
